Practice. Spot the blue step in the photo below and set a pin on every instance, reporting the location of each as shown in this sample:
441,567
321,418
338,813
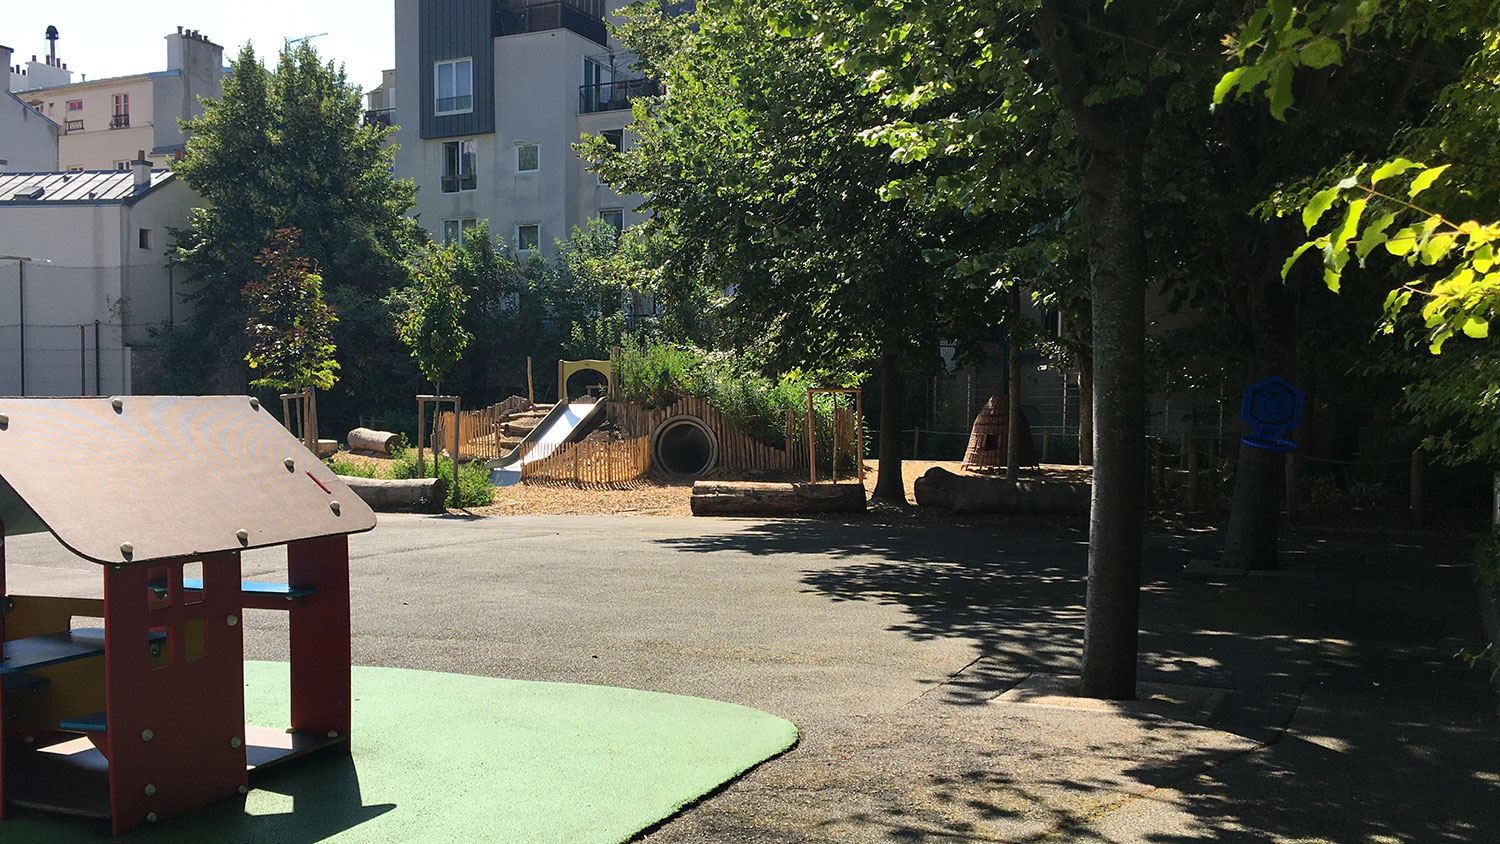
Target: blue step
251,587
91,723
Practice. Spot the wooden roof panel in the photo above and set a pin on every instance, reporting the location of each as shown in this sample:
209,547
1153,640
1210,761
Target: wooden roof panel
172,476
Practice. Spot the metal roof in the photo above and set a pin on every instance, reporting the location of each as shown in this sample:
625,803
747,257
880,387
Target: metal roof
80,186
139,478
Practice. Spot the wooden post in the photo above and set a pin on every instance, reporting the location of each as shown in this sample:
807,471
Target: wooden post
812,452
1046,445
859,431
916,443
456,401
421,433
310,420
1418,478
530,391
562,384
836,428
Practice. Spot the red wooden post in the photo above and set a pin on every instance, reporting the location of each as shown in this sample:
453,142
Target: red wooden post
321,652
2,696
176,732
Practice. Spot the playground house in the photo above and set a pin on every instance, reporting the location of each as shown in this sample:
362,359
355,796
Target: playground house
143,718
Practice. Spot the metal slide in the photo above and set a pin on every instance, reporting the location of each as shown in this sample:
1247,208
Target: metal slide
556,427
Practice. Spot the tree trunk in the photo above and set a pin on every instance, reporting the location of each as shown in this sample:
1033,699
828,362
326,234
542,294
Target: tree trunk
1254,512
1111,146
729,498
889,485
1013,388
1086,407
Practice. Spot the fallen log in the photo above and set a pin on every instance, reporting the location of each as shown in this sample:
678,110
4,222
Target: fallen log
729,498
385,494
962,494
366,439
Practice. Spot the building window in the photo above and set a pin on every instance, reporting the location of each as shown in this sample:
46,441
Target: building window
123,165
74,168
528,158
614,218
144,238
75,105
528,236
121,120
455,86
456,231
616,139
459,160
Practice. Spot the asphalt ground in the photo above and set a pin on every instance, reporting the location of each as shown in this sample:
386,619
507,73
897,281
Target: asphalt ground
1324,703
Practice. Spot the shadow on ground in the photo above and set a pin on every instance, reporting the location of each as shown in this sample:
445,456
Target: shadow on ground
1353,646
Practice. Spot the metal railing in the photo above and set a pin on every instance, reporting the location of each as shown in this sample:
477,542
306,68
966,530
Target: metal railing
452,104
585,17
610,96
120,121
73,126
379,116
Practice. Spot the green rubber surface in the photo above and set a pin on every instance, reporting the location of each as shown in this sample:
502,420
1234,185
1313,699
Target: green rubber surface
452,758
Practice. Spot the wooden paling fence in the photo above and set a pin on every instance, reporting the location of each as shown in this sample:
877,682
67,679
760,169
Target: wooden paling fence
587,464
737,450
479,431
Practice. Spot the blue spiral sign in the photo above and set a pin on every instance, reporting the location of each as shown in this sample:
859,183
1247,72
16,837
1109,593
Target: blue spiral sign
1272,408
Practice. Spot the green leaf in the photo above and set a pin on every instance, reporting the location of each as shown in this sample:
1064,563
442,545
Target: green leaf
1321,53
1287,267
1351,225
1477,328
1483,258
1321,202
1402,242
1281,91
1425,179
1391,168
1374,236
1228,82
1332,278
1437,248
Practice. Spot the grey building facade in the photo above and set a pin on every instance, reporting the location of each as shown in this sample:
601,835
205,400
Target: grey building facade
490,96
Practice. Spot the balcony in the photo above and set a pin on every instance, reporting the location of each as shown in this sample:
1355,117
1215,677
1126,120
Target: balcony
120,121
585,17
378,116
73,126
612,96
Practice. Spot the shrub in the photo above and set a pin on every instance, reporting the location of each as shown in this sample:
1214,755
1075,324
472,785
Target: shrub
474,488
342,465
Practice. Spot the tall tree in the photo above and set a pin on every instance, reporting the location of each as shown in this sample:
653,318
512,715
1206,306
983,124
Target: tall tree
1100,61
286,150
755,166
289,323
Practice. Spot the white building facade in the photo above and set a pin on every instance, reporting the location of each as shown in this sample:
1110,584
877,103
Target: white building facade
489,98
28,139
104,122
84,278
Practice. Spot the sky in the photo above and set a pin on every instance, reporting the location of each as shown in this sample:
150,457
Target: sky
103,39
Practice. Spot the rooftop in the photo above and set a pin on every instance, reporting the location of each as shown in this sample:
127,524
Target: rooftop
79,186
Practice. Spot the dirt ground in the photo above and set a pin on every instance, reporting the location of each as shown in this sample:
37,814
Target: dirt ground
659,495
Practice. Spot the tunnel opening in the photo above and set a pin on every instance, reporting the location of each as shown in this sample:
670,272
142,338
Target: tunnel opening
685,446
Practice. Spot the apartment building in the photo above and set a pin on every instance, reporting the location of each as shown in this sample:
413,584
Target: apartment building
489,97
104,122
28,139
